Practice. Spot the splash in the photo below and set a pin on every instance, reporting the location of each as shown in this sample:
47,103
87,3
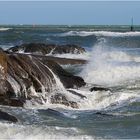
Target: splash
109,66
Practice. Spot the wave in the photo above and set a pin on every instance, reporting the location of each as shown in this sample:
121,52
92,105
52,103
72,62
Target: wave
99,33
109,67
27,132
5,29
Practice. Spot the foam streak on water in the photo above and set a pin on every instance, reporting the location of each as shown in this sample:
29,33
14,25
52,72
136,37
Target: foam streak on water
14,131
100,33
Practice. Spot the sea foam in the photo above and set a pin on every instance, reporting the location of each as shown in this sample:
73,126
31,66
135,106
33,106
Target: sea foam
109,67
100,33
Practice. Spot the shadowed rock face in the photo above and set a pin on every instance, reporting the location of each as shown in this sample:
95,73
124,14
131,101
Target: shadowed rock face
27,77
43,49
68,80
7,117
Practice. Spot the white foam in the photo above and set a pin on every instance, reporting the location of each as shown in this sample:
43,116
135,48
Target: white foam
5,29
34,132
100,33
110,67
99,100
1,69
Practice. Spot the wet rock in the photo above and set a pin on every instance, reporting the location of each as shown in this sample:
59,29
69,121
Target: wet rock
61,61
61,99
17,102
103,114
77,94
68,80
7,117
43,49
27,77
99,89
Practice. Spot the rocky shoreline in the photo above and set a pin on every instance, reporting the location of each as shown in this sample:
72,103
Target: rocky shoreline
31,76
36,77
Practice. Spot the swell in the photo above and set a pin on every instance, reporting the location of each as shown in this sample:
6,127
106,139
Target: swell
100,33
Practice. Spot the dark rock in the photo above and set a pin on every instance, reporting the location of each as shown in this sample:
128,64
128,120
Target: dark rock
99,89
103,114
76,93
7,117
25,75
17,102
43,49
61,99
68,80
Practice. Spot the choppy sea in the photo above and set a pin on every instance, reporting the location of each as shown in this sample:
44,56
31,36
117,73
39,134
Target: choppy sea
113,54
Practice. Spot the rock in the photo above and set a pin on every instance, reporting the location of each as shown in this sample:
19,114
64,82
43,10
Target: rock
68,80
99,89
43,49
77,94
27,77
61,99
7,117
61,61
17,102
103,114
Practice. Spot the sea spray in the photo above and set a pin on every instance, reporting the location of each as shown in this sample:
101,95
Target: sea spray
109,66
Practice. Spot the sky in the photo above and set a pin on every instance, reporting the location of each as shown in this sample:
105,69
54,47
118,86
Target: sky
70,12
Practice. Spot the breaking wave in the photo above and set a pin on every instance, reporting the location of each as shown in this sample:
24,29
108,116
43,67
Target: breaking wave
100,33
5,29
108,66
15,131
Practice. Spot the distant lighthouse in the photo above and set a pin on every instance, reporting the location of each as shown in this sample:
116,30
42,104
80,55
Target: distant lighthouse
132,27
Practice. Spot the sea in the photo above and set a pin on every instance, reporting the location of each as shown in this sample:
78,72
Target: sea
113,55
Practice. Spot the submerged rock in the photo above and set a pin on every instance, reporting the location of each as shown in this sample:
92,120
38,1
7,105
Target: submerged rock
7,117
99,89
27,77
61,99
43,49
77,94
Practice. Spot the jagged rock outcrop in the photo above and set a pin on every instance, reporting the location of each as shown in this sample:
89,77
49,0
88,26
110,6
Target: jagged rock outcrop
27,77
43,49
7,117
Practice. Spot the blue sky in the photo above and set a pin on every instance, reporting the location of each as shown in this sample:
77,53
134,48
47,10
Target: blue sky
69,12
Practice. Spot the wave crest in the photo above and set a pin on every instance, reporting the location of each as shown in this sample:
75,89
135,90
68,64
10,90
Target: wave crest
100,33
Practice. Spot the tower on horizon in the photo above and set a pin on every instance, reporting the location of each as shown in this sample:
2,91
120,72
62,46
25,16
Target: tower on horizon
132,27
